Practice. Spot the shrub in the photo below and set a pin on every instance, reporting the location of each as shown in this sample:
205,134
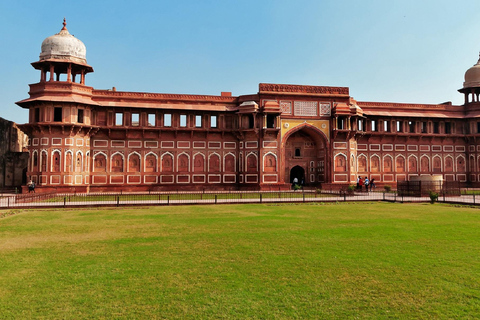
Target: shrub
433,197
351,189
387,188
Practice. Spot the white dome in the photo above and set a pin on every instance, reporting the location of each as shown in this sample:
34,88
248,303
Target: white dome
64,46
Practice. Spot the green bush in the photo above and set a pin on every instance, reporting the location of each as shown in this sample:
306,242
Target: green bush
387,188
433,197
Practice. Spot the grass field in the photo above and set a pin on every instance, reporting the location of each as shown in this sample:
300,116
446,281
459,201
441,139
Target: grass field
309,261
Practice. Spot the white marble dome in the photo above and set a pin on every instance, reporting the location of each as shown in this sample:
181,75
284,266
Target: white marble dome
472,76
63,46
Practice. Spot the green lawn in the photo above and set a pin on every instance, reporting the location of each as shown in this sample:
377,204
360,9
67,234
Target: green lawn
307,261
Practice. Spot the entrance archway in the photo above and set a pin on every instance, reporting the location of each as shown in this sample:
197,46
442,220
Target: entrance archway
297,172
305,151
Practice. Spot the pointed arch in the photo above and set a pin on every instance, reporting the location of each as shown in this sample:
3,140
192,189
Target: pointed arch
199,162
437,164
56,160
424,163
340,162
362,163
375,163
183,162
251,162
68,167
117,161
214,162
229,162
100,162
400,163
134,160
151,162
387,163
166,161
270,162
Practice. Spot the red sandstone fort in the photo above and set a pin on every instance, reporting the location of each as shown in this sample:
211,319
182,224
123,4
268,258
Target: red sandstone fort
85,139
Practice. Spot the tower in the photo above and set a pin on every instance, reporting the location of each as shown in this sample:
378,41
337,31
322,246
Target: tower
60,106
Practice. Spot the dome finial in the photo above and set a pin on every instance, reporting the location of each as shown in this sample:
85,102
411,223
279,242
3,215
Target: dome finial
64,24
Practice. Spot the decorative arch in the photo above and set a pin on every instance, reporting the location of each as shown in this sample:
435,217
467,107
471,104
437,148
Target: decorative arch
166,162
437,164
43,160
229,162
79,161
387,163
56,160
352,163
35,160
449,164
99,162
340,161
319,152
150,164
68,161
460,163
424,163
412,163
375,163
183,162
251,160
214,162
134,160
270,162
400,163
87,161
198,162
362,163
471,163
117,162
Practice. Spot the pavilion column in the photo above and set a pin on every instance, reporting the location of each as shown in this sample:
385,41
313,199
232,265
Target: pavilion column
82,77
69,73
52,72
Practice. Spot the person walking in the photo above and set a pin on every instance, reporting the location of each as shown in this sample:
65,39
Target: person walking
366,184
372,184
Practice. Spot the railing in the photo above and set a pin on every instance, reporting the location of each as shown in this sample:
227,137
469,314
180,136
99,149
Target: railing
229,197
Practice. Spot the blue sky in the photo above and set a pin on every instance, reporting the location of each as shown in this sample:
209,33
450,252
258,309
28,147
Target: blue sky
383,50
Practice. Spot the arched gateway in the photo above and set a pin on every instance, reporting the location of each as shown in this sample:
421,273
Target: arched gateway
305,156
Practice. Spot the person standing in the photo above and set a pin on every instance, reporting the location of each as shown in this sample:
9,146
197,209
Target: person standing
366,184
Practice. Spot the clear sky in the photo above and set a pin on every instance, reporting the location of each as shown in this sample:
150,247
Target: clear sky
383,50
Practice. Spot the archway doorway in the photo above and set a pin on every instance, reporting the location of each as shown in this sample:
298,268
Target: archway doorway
299,173
305,156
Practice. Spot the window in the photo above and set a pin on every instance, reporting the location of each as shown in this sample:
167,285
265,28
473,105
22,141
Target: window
374,125
478,127
411,126
80,116
119,119
57,114
436,127
151,119
270,121
37,115
135,119
424,127
198,121
360,125
250,121
183,120
399,126
341,123
167,120
386,126
448,127
213,121
297,152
